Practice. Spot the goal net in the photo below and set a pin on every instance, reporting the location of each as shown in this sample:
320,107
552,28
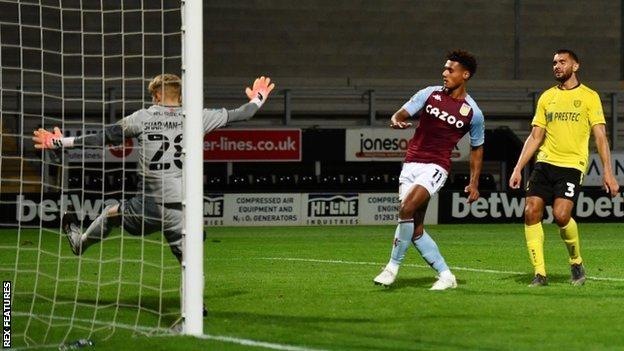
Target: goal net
82,66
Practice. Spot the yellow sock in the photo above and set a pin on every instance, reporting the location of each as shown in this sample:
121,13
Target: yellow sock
570,236
535,243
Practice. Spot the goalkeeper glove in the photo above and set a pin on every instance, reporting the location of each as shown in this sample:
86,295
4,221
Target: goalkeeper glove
47,140
260,91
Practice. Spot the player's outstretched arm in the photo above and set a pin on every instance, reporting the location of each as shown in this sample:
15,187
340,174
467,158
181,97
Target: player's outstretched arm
476,163
399,120
113,134
257,94
602,143
45,139
532,143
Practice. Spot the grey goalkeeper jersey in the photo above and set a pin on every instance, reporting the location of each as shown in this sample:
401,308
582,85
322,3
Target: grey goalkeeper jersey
159,131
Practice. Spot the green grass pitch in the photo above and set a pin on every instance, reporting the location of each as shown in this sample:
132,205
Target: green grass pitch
310,288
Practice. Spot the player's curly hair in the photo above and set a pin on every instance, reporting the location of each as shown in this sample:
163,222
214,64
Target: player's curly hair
171,83
466,59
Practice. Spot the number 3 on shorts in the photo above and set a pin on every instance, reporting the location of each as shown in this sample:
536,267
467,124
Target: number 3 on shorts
570,192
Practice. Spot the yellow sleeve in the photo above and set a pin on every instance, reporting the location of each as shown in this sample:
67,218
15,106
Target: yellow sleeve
594,110
540,112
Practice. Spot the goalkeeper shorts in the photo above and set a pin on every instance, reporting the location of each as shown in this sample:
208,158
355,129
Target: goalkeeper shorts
143,216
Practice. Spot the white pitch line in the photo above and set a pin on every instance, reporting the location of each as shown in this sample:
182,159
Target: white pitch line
254,343
165,333
468,269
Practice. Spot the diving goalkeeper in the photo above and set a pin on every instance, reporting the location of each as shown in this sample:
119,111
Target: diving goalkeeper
159,130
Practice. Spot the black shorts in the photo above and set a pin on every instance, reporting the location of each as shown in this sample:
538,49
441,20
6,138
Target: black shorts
549,181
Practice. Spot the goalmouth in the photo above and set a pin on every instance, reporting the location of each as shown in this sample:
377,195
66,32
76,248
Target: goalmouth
82,66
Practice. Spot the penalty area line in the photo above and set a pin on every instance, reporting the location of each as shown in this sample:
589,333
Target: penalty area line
364,263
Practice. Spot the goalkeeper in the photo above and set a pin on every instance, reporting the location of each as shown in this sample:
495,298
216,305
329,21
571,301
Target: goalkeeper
159,131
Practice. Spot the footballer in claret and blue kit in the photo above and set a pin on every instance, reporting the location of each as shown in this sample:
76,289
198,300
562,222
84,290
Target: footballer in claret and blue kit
443,120
445,114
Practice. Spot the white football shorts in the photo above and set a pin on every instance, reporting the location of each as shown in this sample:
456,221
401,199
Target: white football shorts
428,175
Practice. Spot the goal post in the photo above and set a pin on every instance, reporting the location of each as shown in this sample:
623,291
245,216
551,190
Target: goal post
82,66
192,102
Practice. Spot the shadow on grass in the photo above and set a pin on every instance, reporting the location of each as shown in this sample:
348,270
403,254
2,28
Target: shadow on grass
402,283
422,282
558,287
525,279
341,330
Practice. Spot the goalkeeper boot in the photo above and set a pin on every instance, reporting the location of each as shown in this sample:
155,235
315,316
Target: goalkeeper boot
446,280
385,278
538,280
578,274
71,228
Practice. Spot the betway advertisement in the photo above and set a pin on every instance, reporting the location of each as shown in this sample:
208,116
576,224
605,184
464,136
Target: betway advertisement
317,209
505,207
250,145
386,144
35,210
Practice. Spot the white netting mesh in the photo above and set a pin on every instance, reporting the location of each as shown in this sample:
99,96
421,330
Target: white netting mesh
80,65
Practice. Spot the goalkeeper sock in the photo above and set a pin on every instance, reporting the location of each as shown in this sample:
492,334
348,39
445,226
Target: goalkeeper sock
402,237
569,234
98,230
535,243
430,252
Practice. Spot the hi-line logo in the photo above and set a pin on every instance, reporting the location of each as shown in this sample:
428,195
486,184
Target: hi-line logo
332,206
333,209
213,206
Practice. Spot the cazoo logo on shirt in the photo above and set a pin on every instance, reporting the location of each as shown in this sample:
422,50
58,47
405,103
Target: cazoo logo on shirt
445,116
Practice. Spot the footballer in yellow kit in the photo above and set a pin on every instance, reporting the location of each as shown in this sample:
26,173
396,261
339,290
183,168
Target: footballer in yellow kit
567,116
564,118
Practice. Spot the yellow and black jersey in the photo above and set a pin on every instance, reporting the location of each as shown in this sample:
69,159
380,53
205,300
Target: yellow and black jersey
567,116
